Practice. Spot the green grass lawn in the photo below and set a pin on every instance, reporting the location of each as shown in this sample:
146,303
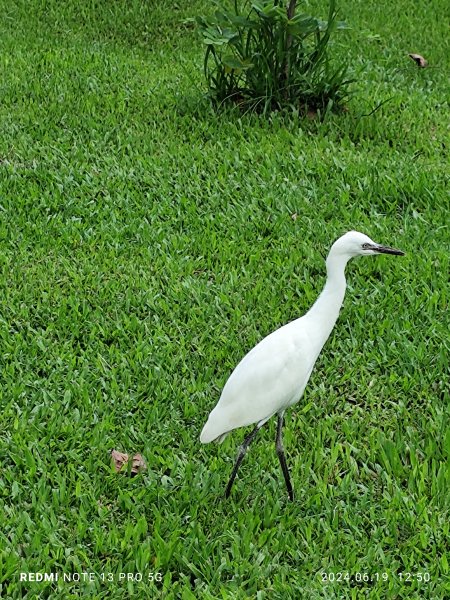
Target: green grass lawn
147,243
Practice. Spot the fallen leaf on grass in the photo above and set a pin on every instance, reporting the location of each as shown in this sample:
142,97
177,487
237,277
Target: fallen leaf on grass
138,464
419,60
120,459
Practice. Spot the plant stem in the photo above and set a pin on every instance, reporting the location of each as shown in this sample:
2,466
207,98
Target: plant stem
290,14
291,9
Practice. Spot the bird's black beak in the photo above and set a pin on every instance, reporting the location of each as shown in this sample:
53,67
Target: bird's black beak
387,250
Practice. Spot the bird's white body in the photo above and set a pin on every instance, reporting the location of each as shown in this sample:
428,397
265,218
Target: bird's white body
274,374
275,369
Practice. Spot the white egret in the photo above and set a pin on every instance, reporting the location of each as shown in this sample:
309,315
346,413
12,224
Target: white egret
274,374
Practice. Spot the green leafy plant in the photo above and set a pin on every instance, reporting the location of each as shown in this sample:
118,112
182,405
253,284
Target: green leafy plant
265,56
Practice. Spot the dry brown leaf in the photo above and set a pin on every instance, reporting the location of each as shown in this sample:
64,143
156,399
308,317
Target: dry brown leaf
419,60
138,465
120,459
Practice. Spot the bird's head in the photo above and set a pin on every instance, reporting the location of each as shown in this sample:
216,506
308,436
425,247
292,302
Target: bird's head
354,243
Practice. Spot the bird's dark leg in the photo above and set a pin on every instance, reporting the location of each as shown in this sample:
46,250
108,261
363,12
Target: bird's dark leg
242,450
280,453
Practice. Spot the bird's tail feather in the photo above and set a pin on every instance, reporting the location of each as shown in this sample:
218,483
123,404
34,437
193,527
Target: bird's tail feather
212,434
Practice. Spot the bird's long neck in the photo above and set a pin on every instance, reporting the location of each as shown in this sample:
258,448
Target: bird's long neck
326,308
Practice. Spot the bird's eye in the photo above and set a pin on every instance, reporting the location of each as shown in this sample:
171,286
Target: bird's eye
365,246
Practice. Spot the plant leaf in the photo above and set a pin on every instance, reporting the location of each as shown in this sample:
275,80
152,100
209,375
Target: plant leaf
234,62
304,26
